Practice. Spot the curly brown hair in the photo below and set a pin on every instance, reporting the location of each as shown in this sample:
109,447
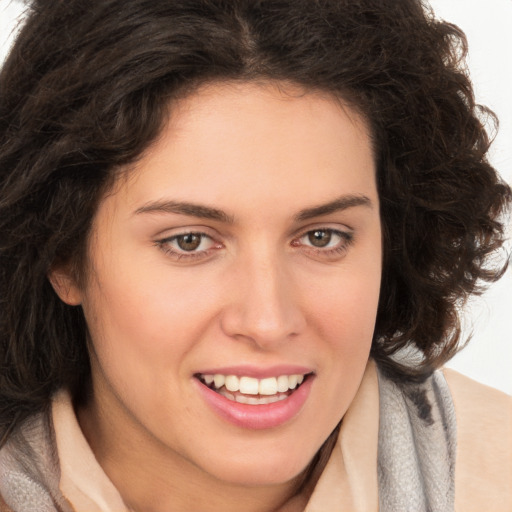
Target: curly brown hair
89,83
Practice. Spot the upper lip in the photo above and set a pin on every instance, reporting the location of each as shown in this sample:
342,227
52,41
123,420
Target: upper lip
258,372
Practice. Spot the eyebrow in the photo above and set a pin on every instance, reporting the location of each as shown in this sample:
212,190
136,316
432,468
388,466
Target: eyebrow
186,208
210,213
339,204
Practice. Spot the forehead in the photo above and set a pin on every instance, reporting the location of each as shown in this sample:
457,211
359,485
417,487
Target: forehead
235,110
240,143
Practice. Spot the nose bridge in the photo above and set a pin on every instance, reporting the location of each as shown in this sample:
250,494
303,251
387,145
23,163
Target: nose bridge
264,307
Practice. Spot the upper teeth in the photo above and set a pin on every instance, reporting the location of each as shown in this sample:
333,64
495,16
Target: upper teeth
252,386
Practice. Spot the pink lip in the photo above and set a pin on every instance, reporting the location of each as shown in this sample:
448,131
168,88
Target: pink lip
257,417
258,373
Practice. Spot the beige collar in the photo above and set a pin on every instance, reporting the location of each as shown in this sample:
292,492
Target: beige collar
349,481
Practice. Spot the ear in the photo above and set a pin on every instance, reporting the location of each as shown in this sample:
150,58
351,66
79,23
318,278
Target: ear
65,286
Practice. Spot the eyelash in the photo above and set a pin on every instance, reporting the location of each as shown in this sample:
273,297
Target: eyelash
346,240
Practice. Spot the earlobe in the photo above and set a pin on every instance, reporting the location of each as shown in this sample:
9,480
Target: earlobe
65,286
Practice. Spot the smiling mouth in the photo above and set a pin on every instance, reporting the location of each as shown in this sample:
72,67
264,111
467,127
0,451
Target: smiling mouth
252,391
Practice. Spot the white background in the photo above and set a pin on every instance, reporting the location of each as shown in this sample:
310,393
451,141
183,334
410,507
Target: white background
488,27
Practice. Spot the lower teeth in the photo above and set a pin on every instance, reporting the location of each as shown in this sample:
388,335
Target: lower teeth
242,399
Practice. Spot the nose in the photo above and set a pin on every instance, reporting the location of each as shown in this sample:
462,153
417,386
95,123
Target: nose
263,305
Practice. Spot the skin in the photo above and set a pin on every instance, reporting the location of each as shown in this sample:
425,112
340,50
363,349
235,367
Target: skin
256,291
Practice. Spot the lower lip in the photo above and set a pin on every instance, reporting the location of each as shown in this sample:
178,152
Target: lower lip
257,417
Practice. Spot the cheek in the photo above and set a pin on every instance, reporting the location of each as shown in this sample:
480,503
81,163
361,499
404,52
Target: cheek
346,306
342,320
140,314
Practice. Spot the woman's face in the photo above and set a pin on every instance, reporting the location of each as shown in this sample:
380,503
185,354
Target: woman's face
244,247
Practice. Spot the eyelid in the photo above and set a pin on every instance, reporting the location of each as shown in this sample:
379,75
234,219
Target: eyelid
343,229
170,232
338,232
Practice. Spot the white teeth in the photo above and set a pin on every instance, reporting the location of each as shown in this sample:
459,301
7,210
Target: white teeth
252,386
282,383
268,386
227,395
253,400
249,386
232,383
219,380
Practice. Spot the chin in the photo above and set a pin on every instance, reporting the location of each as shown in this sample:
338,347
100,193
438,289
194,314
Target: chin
261,469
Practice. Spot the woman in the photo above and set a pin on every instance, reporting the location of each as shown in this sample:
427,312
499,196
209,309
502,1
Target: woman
234,238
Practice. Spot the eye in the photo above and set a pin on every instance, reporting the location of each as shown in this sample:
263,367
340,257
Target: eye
189,241
325,242
188,245
320,237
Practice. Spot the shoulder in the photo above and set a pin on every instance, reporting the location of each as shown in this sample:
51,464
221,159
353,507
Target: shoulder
484,445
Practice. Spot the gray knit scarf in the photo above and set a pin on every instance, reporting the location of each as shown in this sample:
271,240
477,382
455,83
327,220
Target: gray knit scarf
417,442
416,457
